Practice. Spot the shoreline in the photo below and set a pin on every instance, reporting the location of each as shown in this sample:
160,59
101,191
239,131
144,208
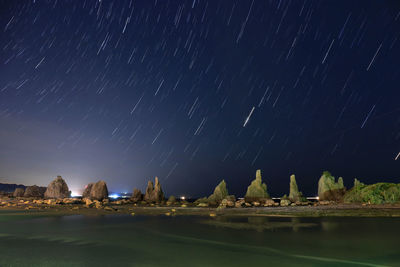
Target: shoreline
332,210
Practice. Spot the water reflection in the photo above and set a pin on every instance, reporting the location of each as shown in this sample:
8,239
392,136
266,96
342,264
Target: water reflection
328,225
260,223
219,241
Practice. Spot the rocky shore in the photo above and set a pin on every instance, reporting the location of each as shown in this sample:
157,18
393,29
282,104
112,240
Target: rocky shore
380,199
78,206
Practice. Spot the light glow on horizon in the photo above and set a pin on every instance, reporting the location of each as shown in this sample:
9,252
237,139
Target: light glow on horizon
75,194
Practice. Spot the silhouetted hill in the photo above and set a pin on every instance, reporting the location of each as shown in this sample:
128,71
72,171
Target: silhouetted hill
9,188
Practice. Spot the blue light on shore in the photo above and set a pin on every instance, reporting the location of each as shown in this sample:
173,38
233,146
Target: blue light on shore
113,196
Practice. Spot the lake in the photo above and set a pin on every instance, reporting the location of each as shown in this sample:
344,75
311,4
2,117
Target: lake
121,240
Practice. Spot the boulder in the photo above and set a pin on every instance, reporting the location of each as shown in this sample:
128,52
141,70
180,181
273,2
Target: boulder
228,201
154,193
19,192
50,202
88,202
171,200
240,203
71,201
137,195
88,189
285,202
98,204
220,192
201,200
329,189
269,203
57,189
34,191
37,201
294,194
99,191
257,191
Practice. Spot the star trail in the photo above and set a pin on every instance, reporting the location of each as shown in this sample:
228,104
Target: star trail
198,91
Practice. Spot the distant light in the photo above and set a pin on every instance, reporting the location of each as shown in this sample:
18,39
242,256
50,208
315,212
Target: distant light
182,197
317,198
113,196
75,194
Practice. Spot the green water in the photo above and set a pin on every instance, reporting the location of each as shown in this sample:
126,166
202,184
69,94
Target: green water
116,240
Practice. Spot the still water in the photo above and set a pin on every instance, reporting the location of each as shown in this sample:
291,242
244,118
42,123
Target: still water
117,240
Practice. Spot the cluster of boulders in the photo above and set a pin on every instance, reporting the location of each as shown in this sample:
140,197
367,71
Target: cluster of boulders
57,192
30,191
153,194
256,196
58,189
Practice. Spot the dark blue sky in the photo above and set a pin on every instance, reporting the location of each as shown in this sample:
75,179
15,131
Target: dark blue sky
198,91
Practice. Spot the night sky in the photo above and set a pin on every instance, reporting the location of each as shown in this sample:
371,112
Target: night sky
198,91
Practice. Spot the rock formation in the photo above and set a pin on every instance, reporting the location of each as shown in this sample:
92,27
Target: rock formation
57,189
257,191
19,192
330,190
171,200
154,193
137,195
220,192
88,189
34,191
99,191
294,194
